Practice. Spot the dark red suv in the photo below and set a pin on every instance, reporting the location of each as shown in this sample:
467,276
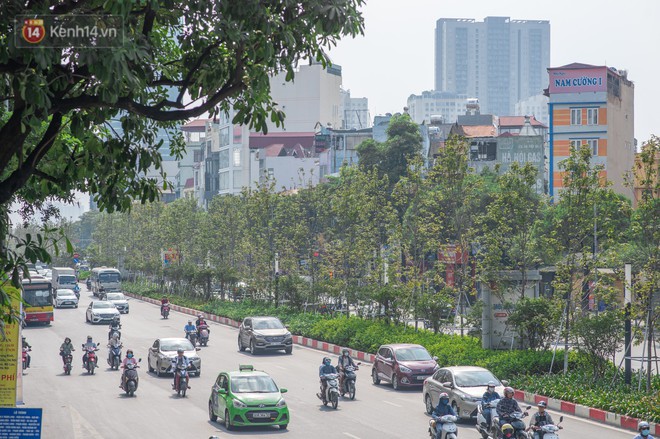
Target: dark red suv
404,365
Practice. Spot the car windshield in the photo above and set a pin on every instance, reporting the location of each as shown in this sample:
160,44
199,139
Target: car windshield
115,296
268,324
412,354
64,293
103,305
474,378
174,345
253,384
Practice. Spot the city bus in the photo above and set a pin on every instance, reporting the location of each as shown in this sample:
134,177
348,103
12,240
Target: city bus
37,294
108,279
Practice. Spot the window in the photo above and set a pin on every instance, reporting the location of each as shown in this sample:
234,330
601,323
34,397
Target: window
237,157
592,116
237,180
224,181
223,159
224,137
593,146
575,144
576,116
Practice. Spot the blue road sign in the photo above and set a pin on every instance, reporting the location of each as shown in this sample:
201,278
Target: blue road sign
18,423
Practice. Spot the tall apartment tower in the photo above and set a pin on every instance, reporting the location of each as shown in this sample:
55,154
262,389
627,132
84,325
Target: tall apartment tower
499,61
592,105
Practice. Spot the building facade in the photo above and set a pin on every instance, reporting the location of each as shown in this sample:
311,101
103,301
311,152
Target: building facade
500,61
354,111
536,106
592,105
447,105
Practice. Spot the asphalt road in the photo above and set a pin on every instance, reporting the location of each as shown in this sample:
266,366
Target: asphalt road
82,406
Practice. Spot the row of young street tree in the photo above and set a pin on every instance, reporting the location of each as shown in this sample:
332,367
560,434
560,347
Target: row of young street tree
370,238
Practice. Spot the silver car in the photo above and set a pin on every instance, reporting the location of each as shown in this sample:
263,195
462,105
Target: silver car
65,297
264,334
119,300
164,350
101,312
465,385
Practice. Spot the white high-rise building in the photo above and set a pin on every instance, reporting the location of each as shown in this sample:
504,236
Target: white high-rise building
499,61
436,103
536,106
354,111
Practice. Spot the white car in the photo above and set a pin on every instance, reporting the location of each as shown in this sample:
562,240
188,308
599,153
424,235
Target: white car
101,311
164,350
119,300
65,297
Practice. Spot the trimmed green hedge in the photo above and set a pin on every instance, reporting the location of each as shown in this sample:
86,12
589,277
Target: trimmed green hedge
527,370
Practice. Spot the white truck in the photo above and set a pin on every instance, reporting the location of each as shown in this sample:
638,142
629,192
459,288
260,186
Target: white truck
63,277
104,280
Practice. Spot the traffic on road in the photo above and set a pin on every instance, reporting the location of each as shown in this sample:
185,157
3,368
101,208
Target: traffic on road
246,390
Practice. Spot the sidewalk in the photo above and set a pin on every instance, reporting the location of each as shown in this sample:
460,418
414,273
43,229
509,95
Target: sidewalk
570,408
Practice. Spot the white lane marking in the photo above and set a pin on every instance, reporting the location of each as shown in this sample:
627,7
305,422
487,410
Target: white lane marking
281,367
82,428
391,403
588,421
351,435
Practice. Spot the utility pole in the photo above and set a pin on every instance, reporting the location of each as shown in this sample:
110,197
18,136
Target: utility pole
627,328
277,278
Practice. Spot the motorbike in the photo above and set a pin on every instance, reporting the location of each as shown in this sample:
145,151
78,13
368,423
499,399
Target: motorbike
181,380
331,394
89,284
76,291
90,364
25,357
203,335
192,336
165,311
482,426
68,364
516,422
349,380
548,431
114,357
449,429
131,379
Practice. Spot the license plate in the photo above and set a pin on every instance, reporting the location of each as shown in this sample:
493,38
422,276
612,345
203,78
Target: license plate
261,415
422,378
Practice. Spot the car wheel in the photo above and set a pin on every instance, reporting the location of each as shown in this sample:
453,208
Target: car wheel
253,351
157,369
429,404
288,350
86,318
374,376
228,425
151,369
240,344
456,410
212,416
395,382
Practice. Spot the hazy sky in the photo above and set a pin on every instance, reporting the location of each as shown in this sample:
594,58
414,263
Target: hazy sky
395,57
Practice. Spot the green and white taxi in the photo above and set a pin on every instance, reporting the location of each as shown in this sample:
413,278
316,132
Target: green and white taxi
247,397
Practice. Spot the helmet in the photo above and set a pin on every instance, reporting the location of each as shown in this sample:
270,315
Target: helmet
89,338
642,425
507,428
129,351
444,395
542,404
508,390
190,322
345,351
200,316
67,340
326,360
179,351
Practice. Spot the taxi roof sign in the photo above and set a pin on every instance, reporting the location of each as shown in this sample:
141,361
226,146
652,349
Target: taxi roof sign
245,368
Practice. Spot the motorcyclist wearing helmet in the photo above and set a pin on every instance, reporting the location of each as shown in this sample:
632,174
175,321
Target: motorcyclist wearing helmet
89,344
507,431
66,348
179,360
489,396
644,431
539,420
130,359
115,326
163,301
201,324
507,406
343,362
443,408
325,369
189,328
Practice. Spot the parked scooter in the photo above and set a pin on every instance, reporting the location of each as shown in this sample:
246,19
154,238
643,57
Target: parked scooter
25,357
68,364
486,430
331,394
203,334
165,311
349,380
449,429
516,422
548,431
192,336
91,362
131,379
181,380
114,356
